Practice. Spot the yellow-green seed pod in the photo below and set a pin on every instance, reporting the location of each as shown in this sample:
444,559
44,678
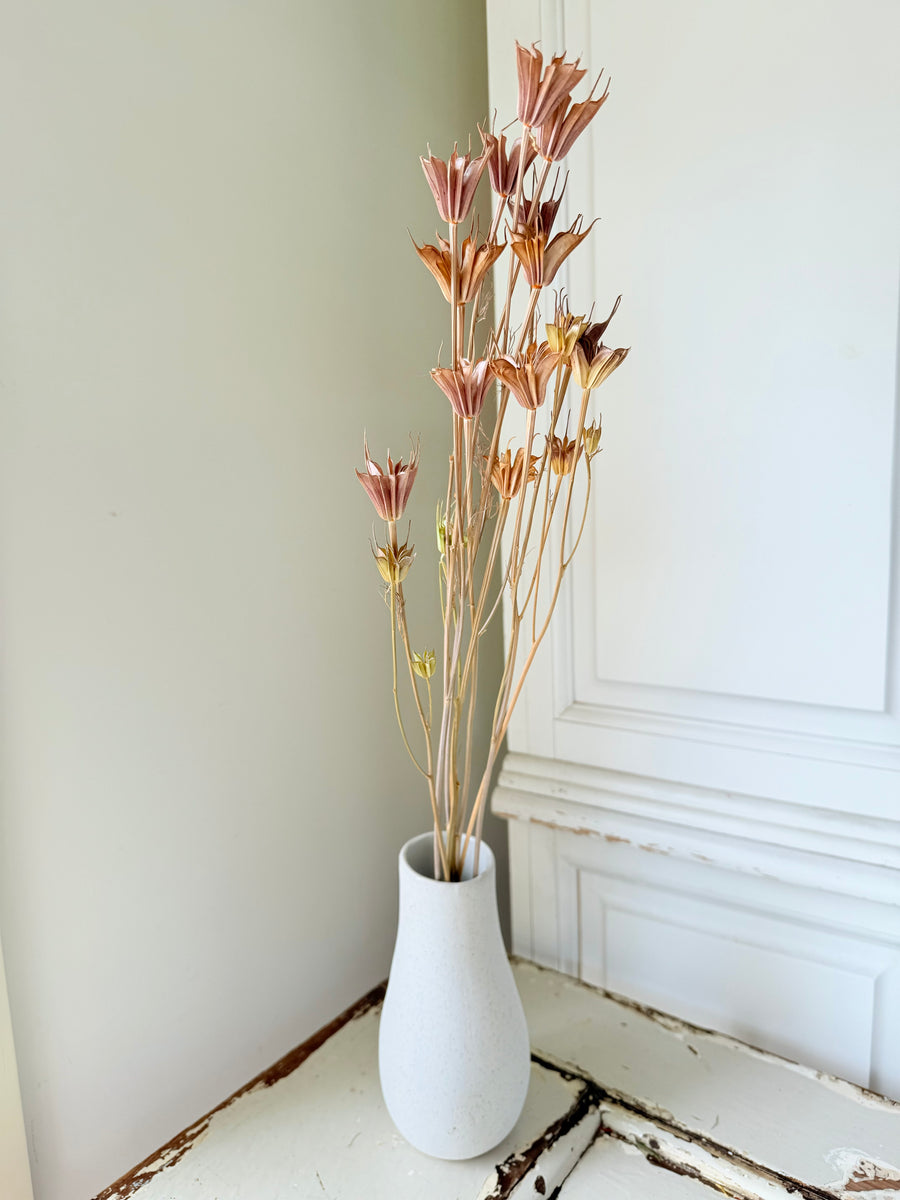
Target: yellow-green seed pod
424,664
393,565
566,331
590,437
441,530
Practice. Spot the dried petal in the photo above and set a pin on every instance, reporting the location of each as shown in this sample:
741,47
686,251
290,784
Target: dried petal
453,183
564,454
424,664
389,489
502,167
590,437
565,331
593,334
545,215
539,96
589,373
541,259
393,564
509,474
561,247
526,375
528,243
466,387
474,263
556,136
438,263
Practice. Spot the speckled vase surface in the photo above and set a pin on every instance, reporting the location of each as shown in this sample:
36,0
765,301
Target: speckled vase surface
453,1051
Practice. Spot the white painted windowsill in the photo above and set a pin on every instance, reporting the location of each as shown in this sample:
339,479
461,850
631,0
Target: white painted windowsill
624,1102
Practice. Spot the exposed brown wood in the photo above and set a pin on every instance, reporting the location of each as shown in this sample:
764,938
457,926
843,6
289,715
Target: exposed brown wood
654,1151
172,1151
595,1111
870,1177
513,1170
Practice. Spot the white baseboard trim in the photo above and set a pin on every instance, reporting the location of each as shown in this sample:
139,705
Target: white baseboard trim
794,843
777,922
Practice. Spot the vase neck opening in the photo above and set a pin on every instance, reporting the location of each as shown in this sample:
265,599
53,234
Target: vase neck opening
418,855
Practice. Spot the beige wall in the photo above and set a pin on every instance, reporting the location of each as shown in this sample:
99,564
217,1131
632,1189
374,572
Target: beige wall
206,291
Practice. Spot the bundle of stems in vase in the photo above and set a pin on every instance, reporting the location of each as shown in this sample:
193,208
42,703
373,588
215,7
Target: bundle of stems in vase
498,495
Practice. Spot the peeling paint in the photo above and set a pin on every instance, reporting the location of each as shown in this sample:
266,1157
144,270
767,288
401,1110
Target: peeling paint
872,1183
507,1175
597,1111
175,1150
859,1174
577,832
659,1154
680,1028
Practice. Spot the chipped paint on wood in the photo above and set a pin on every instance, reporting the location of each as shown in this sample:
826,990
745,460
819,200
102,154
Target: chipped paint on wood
178,1147
682,1029
708,1091
318,1128
572,1133
611,838
860,1175
666,1143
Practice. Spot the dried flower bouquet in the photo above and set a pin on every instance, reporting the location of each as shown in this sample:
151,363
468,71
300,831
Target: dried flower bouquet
496,493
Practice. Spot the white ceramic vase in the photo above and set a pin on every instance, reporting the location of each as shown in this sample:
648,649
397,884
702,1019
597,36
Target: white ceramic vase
453,1052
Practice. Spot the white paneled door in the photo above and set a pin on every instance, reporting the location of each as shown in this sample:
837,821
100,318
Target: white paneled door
704,780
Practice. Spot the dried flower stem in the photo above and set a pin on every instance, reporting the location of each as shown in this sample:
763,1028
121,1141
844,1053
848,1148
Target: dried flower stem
523,365
409,751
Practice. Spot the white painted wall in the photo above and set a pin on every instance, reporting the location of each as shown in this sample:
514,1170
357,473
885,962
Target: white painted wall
705,774
206,292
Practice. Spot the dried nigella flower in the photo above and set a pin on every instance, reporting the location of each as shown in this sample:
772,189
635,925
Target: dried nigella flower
453,183
503,168
564,454
590,369
590,437
389,490
474,263
541,259
509,474
594,333
565,330
437,260
466,387
424,664
526,375
542,219
539,96
556,136
592,362
393,564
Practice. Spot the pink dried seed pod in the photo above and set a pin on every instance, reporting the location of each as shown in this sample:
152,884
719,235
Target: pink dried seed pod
453,183
466,387
540,91
389,489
